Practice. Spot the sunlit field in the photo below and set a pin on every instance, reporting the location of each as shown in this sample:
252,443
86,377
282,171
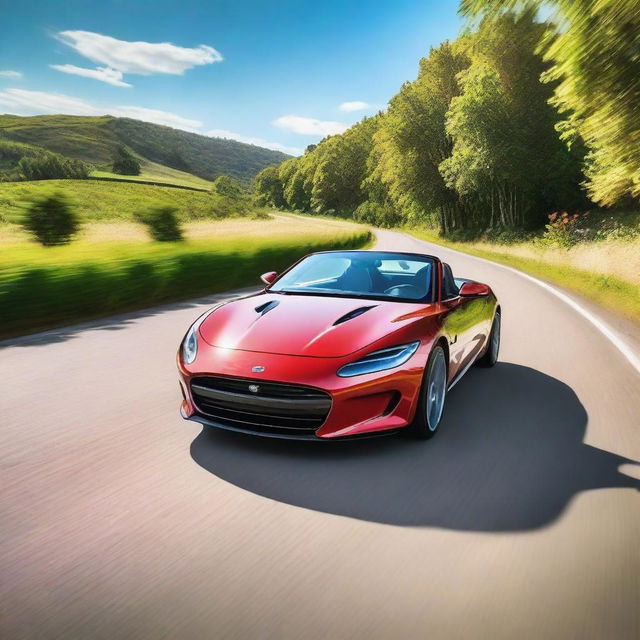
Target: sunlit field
114,267
96,200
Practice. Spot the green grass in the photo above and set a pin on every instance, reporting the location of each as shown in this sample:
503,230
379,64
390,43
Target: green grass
42,288
154,172
609,291
104,200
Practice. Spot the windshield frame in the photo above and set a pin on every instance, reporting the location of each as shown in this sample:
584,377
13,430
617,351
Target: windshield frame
364,296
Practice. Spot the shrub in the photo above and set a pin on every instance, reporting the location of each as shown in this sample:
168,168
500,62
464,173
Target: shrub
51,219
162,223
562,231
124,163
48,166
227,186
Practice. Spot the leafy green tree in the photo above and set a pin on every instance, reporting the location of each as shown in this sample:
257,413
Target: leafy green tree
412,141
593,48
51,219
124,163
162,223
44,165
269,188
341,169
293,181
507,155
227,186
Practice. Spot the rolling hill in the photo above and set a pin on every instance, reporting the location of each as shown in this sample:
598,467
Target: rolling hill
162,150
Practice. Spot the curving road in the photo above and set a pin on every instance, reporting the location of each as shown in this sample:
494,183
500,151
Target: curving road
520,520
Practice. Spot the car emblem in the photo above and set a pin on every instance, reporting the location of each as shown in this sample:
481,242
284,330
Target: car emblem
254,388
258,369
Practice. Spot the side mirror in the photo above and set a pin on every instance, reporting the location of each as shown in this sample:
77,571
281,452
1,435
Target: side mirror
474,289
269,277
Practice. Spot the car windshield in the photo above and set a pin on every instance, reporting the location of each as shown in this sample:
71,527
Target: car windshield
366,274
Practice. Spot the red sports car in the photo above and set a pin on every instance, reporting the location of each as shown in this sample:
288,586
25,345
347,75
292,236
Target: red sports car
343,344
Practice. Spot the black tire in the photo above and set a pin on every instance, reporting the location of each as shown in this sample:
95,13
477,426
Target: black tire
490,356
420,427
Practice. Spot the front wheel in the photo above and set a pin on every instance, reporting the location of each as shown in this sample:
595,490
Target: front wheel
432,396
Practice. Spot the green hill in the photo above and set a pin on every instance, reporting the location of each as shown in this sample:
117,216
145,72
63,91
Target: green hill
93,139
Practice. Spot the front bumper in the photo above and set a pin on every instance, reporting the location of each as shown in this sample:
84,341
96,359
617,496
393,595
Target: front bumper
366,405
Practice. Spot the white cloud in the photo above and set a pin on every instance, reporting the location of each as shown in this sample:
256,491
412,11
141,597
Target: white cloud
15,75
104,74
142,58
309,126
259,142
24,102
155,115
356,105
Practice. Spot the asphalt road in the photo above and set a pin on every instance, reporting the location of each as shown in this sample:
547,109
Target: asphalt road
520,520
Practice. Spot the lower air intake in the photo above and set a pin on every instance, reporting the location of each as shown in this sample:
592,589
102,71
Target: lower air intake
267,407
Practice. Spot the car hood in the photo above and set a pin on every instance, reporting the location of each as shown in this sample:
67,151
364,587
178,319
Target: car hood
305,325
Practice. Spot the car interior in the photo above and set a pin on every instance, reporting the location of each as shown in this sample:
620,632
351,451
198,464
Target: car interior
394,277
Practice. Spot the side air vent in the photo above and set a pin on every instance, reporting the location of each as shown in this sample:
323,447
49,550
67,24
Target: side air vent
352,314
267,306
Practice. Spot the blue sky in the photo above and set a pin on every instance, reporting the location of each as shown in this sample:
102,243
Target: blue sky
274,72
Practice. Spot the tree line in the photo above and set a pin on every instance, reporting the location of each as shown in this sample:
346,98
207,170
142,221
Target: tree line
495,132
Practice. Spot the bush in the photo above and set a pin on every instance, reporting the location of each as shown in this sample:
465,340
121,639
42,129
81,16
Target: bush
162,222
562,231
124,163
49,166
227,186
52,220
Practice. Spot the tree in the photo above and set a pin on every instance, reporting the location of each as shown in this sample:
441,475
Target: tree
593,48
227,186
125,163
52,220
507,154
341,169
162,223
43,165
412,141
269,189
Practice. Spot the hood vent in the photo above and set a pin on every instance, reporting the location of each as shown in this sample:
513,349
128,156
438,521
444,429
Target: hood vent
353,314
267,306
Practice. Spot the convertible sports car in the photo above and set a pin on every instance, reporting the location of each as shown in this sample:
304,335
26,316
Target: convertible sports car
342,344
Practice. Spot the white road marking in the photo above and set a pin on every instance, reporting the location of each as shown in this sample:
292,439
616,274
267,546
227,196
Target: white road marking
599,324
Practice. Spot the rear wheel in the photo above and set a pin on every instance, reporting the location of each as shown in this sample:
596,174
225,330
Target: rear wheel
432,396
493,348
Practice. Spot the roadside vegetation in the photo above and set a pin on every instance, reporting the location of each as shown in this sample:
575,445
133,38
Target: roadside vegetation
116,267
521,138
605,270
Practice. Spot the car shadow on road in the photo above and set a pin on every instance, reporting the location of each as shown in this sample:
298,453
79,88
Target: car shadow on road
509,456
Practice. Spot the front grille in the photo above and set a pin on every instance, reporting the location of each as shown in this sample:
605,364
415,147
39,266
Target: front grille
275,408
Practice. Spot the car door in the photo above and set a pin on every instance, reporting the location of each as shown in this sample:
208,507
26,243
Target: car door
464,324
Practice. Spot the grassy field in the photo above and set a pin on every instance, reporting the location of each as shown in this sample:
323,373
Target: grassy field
103,200
607,272
115,267
154,172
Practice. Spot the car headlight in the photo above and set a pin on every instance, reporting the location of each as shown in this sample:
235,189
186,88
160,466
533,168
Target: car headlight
190,341
190,345
379,360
